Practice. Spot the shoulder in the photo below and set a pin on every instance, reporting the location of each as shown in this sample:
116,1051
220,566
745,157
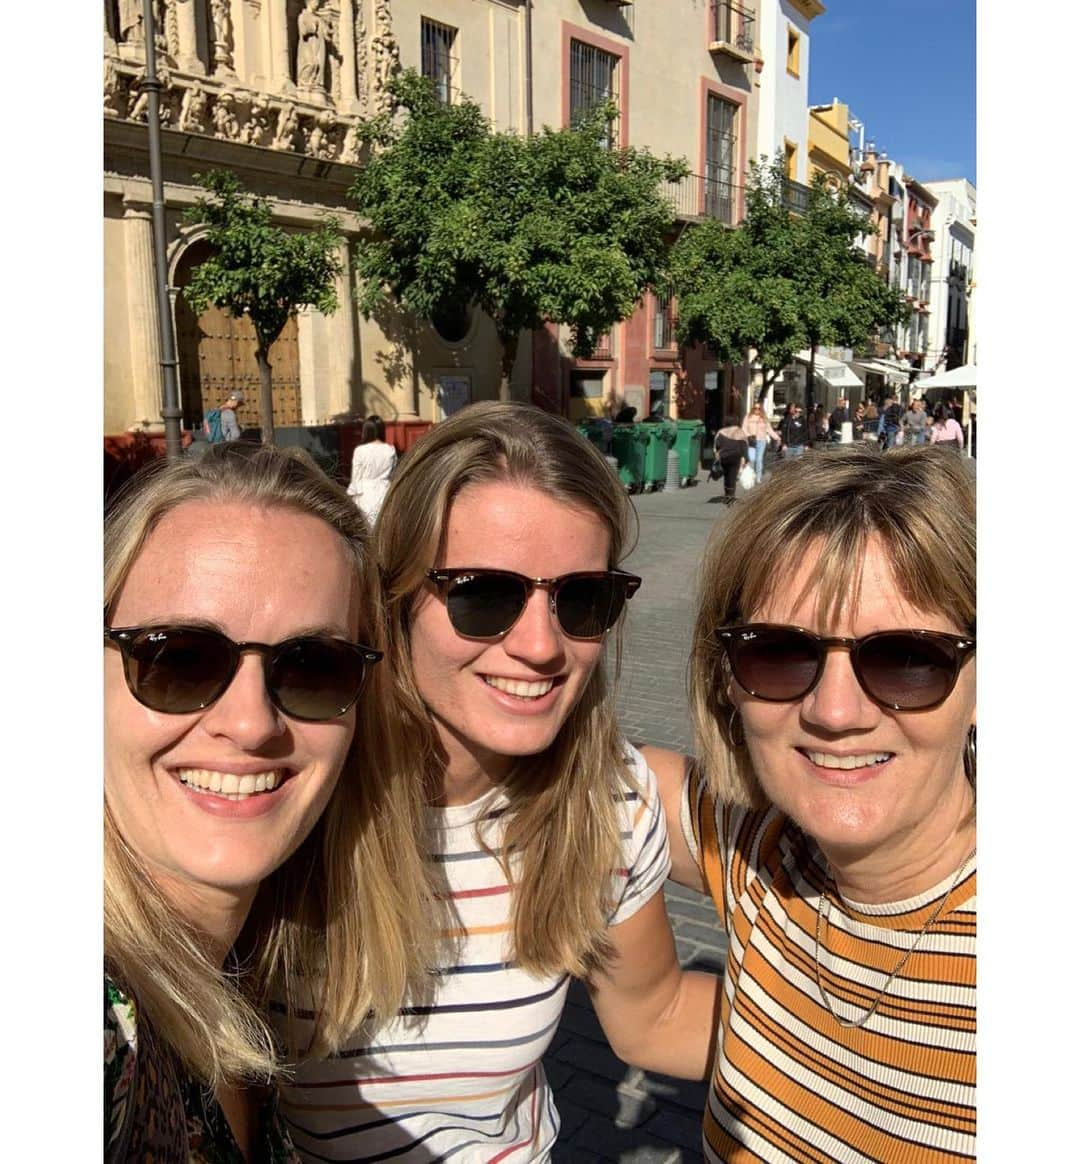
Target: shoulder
121,1055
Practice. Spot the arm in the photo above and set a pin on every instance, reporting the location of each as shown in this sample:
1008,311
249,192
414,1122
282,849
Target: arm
656,1015
671,770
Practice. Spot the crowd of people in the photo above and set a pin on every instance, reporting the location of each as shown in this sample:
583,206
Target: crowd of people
368,808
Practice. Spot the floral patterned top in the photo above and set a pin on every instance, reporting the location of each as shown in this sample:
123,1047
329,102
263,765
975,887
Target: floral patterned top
155,1112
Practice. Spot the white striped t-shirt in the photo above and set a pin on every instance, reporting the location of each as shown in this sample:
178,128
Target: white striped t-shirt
462,1077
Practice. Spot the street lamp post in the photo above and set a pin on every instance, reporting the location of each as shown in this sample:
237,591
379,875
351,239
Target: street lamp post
151,86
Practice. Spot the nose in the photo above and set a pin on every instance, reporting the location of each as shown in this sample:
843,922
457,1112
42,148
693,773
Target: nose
536,637
244,714
838,703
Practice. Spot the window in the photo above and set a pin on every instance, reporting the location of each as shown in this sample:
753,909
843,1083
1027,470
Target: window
793,51
437,59
659,386
594,79
663,324
720,159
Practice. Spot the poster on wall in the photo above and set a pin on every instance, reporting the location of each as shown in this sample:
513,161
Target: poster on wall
452,393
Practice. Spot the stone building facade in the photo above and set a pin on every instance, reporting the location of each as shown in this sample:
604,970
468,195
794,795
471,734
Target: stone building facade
273,90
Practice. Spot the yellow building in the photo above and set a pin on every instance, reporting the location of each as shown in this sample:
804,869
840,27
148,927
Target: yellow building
827,148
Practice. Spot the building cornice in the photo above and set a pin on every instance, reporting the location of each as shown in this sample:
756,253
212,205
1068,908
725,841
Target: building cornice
808,8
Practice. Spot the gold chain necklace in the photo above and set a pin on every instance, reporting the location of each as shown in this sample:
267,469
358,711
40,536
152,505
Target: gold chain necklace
821,912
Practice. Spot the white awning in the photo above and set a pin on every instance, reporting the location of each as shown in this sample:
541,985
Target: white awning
962,377
836,372
891,372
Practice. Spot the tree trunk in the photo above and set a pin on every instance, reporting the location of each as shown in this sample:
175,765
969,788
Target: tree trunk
266,395
809,409
509,355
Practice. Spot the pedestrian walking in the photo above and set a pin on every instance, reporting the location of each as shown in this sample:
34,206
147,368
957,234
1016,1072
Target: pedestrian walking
793,434
914,423
372,465
758,435
945,430
858,422
499,543
889,422
731,451
839,416
872,421
832,812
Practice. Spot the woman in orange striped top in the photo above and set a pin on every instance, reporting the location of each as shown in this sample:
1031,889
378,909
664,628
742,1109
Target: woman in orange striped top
832,816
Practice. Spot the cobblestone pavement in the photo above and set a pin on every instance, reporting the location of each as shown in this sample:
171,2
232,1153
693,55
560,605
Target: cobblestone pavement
611,1112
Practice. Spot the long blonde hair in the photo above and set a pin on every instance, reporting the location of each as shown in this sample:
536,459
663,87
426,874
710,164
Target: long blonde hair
918,501
562,823
347,913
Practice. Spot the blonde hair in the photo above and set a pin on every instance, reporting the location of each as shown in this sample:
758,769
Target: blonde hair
562,824
919,502
347,912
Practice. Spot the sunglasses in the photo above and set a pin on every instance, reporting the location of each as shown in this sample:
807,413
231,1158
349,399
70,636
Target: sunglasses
903,670
485,604
181,669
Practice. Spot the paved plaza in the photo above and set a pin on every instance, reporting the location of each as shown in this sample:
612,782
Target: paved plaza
609,1111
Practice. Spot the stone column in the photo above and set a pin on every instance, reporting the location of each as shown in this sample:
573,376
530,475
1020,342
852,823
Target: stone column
278,16
305,338
347,48
187,56
143,327
339,395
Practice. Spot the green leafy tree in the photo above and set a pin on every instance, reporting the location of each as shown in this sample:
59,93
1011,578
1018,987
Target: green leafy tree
559,227
260,270
780,282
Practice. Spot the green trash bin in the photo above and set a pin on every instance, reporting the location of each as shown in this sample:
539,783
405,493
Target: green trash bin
661,434
628,445
688,440
593,432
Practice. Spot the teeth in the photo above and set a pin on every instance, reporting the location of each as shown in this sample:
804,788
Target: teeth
825,760
519,687
228,784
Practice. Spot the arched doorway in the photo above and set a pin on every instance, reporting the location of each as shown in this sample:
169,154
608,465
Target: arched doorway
217,357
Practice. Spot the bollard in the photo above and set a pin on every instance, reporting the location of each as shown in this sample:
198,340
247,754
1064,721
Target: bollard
671,481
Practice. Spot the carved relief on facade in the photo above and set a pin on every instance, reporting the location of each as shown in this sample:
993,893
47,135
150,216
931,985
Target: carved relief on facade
313,35
139,98
352,145
225,118
221,19
259,129
286,128
384,58
115,104
322,136
360,41
192,118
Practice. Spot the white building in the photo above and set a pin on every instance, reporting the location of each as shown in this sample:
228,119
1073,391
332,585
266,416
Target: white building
783,84
952,337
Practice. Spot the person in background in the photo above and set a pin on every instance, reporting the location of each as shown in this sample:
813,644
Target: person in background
890,422
945,430
731,454
839,416
915,421
793,432
871,421
758,434
819,425
230,426
832,814
372,465
858,422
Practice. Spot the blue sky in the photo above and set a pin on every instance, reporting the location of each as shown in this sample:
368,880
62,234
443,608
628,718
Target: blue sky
906,69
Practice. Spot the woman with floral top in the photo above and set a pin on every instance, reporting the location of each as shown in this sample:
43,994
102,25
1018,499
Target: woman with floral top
239,593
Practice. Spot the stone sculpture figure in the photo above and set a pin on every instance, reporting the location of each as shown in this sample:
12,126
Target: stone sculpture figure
114,102
286,128
311,47
192,117
222,20
258,130
226,123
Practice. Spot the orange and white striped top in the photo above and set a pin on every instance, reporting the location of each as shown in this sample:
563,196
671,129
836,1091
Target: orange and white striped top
792,1084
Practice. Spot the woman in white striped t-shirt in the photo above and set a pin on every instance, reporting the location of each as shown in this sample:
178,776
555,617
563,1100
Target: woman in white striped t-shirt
833,815
499,543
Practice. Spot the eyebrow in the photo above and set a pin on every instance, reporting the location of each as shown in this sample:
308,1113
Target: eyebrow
310,630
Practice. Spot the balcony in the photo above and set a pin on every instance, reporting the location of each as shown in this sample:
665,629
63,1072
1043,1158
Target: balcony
697,196
796,196
731,30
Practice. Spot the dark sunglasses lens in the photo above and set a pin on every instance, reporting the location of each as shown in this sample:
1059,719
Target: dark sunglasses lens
179,670
774,664
587,607
906,671
483,606
315,678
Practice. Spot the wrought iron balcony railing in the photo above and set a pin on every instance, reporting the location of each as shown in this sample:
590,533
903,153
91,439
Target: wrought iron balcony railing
731,24
697,196
796,196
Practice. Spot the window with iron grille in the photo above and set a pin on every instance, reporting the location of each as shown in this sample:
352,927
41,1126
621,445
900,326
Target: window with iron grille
663,324
437,59
659,393
594,79
721,153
